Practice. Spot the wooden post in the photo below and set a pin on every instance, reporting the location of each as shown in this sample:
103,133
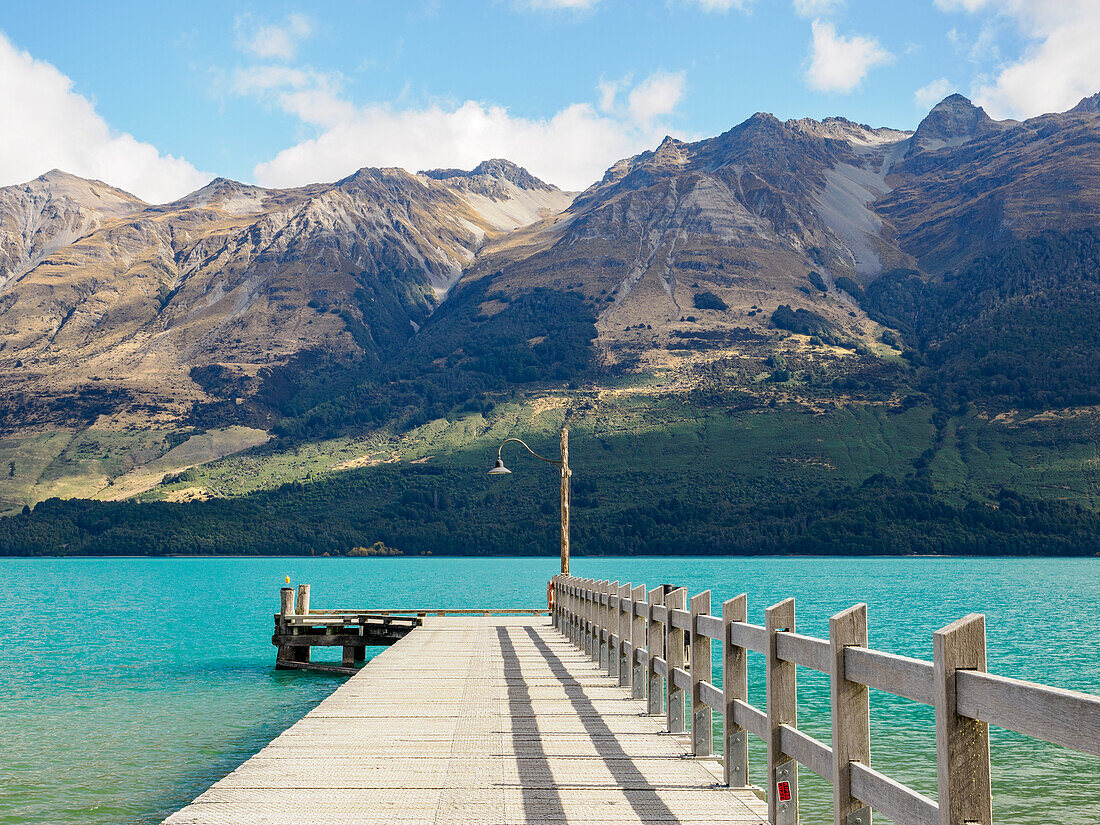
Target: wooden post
637,643
851,716
962,744
655,645
285,653
604,636
674,655
782,690
303,600
565,474
349,656
702,716
286,601
624,625
735,686
613,629
590,619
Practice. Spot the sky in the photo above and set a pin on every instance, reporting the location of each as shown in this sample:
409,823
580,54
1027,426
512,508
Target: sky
159,98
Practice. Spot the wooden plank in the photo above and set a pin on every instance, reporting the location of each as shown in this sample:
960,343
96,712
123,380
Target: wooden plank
674,656
1064,717
749,636
903,805
752,719
962,744
702,713
782,690
850,705
817,756
681,680
735,688
318,667
711,695
681,618
805,651
709,626
655,644
638,642
899,675
475,720
623,612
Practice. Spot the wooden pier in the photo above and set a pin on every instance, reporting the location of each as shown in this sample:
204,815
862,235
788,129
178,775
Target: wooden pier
475,719
584,717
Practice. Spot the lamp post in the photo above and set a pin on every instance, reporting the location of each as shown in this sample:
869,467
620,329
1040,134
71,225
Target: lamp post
563,464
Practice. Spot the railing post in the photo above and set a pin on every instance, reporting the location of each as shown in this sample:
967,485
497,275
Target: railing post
637,643
574,617
624,624
605,609
851,716
962,744
655,647
782,690
613,629
590,648
702,716
735,686
674,656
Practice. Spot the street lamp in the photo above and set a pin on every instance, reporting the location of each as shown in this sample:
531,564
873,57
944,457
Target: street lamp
500,470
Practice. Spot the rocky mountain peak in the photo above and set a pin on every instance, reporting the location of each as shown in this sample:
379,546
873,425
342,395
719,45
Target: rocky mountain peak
1090,105
952,122
495,168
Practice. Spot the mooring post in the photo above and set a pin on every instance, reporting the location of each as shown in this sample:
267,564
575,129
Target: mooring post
674,656
782,691
962,744
303,600
637,641
655,647
285,653
702,716
735,688
851,712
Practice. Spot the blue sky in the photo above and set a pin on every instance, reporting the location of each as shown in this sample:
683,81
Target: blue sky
158,97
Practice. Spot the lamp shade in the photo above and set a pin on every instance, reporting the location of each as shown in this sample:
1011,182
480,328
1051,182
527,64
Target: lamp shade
500,469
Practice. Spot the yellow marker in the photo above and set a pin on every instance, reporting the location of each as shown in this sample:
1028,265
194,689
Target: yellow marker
288,579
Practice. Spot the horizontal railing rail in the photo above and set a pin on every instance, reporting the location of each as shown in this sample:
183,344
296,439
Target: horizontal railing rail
659,644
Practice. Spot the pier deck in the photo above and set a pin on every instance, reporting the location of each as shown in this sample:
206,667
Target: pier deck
476,720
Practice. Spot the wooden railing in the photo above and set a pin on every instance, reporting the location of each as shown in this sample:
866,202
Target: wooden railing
642,637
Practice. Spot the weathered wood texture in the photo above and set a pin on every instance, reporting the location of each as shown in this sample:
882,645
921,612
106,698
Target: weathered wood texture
966,699
475,720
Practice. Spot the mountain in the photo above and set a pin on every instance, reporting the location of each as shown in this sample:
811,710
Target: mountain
837,320
153,302
50,212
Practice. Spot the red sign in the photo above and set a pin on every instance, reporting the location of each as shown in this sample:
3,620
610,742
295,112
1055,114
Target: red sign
783,791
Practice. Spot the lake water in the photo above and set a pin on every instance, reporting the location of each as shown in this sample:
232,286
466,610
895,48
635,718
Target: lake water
129,685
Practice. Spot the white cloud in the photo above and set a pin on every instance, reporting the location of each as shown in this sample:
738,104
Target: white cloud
657,95
838,63
1058,68
928,96
609,91
46,125
571,149
268,40
815,8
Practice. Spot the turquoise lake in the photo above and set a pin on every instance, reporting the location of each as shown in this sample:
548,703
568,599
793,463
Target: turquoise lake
130,685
